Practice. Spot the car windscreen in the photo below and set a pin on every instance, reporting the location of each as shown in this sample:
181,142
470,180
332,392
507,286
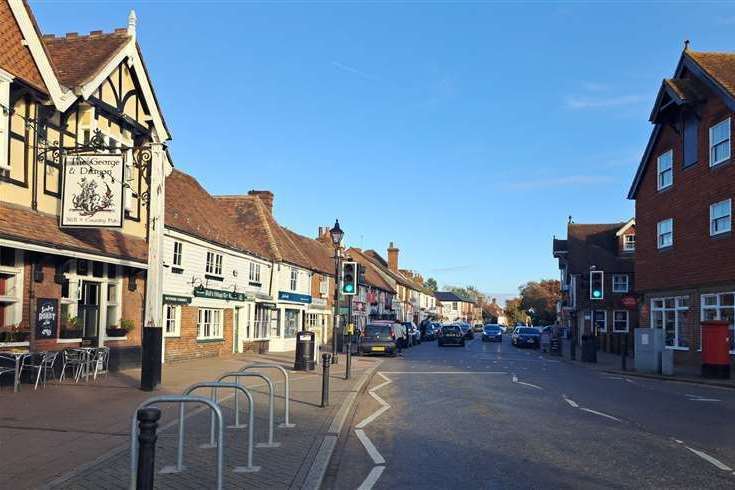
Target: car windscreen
450,329
528,331
492,329
377,331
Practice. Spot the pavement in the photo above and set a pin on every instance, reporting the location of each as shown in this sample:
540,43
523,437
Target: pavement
493,416
77,435
612,363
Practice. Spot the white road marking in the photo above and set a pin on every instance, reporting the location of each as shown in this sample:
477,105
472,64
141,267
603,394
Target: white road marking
630,381
372,478
613,377
370,447
678,441
443,372
529,384
716,462
383,404
570,402
697,398
515,378
589,410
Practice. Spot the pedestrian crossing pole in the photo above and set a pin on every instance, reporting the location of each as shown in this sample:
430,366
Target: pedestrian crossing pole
350,329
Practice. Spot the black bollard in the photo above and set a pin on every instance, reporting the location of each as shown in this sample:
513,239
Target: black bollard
326,363
624,357
573,349
147,427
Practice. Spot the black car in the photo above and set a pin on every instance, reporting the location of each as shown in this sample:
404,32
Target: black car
429,333
469,334
492,333
378,339
451,335
526,337
414,336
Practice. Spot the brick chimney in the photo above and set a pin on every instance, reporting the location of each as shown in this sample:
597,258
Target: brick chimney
266,197
393,258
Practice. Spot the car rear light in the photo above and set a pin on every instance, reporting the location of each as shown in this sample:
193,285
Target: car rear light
392,334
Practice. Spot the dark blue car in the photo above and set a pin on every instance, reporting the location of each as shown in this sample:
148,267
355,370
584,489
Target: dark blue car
492,333
526,337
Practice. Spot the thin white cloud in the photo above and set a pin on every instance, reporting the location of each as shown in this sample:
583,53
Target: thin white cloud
354,71
726,20
454,268
567,181
595,87
590,102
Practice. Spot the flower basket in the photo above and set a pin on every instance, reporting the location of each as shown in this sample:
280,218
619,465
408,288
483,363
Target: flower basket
116,332
71,333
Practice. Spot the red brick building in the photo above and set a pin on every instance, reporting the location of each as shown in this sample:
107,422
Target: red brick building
683,190
596,276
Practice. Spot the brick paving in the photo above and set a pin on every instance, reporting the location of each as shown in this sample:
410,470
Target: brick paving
77,436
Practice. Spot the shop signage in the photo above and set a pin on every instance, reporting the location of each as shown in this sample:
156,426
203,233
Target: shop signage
172,299
630,302
92,191
319,302
47,317
270,306
295,297
358,306
202,292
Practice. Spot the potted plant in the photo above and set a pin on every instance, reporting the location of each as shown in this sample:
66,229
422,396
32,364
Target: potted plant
70,328
121,331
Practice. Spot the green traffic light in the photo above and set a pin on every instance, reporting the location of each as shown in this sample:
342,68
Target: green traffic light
596,294
349,288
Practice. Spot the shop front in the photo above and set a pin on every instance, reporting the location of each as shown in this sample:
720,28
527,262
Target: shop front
318,320
291,310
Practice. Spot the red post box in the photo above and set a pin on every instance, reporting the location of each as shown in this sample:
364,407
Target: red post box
716,349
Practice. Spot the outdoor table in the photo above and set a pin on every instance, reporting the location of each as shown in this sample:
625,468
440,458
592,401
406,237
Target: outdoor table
16,357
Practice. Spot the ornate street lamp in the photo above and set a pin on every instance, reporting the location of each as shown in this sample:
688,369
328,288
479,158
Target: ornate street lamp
336,234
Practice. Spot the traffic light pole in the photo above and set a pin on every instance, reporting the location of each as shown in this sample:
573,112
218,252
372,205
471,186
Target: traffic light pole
348,368
336,305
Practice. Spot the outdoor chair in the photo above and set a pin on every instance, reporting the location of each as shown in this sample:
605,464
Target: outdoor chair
74,359
42,362
101,361
7,369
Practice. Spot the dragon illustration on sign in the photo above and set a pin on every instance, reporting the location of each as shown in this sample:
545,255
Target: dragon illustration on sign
89,201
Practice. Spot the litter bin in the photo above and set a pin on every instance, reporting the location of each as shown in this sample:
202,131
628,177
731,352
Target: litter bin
716,349
589,348
304,351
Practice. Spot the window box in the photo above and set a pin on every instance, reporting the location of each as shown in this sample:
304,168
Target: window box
177,270
71,334
210,341
116,332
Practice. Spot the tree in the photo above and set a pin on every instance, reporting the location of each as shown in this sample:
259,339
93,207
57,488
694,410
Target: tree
431,285
514,313
539,299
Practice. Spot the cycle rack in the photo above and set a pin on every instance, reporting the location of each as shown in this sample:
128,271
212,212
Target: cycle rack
271,401
285,424
250,468
180,399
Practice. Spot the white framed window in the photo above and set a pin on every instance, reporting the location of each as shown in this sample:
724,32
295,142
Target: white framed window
254,272
665,163
324,286
599,321
671,314
209,325
621,283
214,263
720,306
720,217
11,288
620,320
113,304
294,279
719,142
629,243
172,320
665,233
178,250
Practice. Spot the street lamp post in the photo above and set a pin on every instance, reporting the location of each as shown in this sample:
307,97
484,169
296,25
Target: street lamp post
336,234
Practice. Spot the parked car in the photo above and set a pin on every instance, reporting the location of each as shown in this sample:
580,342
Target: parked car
451,335
492,333
429,333
467,331
526,337
478,327
378,339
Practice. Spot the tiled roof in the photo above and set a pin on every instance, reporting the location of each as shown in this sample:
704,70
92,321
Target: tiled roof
248,214
449,296
686,89
319,255
19,223
380,262
78,59
15,57
595,244
721,66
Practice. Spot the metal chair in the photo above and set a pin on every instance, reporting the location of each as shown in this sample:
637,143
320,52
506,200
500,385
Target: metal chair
101,361
43,362
7,369
75,359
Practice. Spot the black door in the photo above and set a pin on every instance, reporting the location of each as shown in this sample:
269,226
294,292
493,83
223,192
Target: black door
89,311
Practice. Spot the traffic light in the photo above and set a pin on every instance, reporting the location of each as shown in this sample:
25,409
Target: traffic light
349,278
597,287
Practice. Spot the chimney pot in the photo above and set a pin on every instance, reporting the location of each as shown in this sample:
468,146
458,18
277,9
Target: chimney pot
266,198
393,258
132,22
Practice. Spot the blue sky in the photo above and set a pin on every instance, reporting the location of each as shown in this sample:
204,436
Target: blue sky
466,133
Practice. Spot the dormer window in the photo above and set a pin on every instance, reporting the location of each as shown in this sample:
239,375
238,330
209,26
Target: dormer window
719,142
665,170
628,243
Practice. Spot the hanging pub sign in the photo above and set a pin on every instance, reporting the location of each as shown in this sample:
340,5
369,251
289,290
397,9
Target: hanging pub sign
202,292
92,192
47,317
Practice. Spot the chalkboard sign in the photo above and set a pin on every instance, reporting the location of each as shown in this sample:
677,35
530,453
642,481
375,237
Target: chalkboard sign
47,318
